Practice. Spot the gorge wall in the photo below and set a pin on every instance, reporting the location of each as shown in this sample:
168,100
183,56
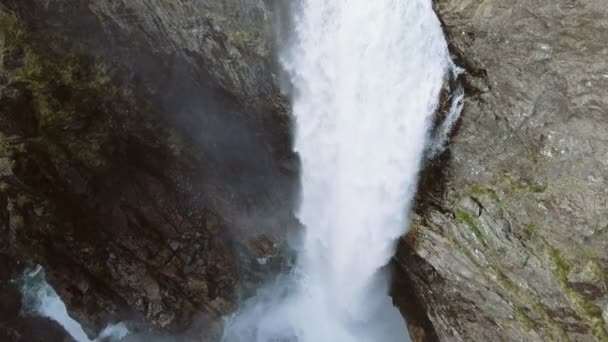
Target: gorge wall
511,239
145,155
145,162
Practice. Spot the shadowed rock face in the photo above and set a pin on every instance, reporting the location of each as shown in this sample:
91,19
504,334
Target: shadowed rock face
145,158
512,244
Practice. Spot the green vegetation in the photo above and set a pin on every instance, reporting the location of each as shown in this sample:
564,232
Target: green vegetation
561,268
468,220
518,185
524,319
594,265
478,191
597,272
245,39
583,306
551,328
530,229
540,309
538,188
590,253
10,30
74,100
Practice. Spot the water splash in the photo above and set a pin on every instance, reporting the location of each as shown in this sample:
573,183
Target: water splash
39,298
367,77
441,137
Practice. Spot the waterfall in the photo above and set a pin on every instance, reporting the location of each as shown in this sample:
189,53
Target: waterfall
367,77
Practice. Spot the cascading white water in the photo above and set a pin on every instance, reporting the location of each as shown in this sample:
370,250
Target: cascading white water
367,76
39,298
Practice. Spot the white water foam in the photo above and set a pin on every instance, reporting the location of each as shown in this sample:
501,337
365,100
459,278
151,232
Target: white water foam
441,137
40,298
367,76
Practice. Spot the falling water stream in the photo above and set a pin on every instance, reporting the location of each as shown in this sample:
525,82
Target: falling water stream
41,299
367,77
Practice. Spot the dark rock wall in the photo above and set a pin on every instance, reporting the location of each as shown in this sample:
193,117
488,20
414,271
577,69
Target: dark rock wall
145,157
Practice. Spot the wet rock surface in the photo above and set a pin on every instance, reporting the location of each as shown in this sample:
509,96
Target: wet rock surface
510,240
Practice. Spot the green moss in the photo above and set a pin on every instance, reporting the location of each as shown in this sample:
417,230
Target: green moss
75,100
561,267
530,229
589,311
11,30
554,328
595,266
508,284
590,253
86,100
33,67
484,191
583,306
518,185
538,188
463,217
524,319
596,271
244,39
467,253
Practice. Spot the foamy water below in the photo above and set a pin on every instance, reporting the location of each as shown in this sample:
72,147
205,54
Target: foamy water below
367,77
39,298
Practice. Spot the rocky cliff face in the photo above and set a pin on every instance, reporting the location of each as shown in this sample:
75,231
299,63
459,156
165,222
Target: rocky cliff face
511,240
145,157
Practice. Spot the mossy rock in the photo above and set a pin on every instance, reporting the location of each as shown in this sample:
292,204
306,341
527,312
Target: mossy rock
78,108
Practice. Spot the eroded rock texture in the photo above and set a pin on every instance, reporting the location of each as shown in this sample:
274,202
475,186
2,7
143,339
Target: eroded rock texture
511,240
145,158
